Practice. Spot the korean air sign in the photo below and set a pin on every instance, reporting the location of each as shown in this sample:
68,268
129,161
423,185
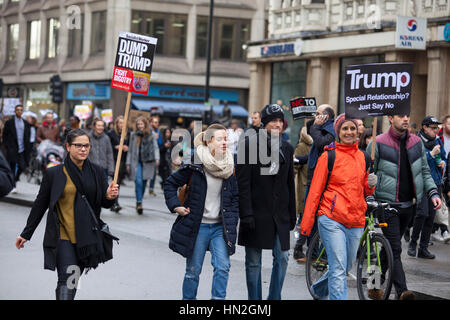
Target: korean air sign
411,33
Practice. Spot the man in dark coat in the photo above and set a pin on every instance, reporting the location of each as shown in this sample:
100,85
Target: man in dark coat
6,177
16,138
266,201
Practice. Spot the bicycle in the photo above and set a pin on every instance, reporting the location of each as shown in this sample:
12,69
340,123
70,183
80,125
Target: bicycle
374,258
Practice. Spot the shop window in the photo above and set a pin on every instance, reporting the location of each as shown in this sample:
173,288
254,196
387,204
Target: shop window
288,82
169,29
75,47
53,26
13,41
98,32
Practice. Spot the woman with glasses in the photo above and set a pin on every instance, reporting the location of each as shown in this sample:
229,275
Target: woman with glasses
70,244
142,158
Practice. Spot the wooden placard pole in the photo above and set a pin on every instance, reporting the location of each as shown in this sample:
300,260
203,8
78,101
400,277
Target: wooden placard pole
122,138
374,137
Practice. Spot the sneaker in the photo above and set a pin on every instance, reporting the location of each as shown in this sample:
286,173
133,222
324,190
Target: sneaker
375,294
116,208
437,236
151,192
446,236
14,191
425,254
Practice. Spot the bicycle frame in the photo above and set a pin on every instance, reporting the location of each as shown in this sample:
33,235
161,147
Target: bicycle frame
370,228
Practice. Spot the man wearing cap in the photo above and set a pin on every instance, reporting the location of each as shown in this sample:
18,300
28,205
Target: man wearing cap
423,221
266,201
404,180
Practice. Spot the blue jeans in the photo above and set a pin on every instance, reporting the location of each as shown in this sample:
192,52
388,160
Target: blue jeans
209,236
151,185
341,245
253,271
139,183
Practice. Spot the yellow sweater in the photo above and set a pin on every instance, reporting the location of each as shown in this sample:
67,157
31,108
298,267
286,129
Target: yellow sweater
65,208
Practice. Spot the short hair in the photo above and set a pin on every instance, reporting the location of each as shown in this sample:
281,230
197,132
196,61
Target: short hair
97,120
17,106
75,133
211,130
330,112
257,112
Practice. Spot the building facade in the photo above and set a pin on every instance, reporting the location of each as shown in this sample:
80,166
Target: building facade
77,39
311,41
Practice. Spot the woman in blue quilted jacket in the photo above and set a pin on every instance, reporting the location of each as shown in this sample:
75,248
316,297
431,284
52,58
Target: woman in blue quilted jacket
209,217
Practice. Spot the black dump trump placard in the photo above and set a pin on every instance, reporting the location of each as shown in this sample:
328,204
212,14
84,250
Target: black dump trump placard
378,89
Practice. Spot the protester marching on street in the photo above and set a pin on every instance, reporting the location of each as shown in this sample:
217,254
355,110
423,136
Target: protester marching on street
115,136
16,140
48,130
101,152
7,180
165,167
142,158
339,209
321,129
233,137
425,213
404,179
301,175
256,121
154,126
70,239
266,203
208,218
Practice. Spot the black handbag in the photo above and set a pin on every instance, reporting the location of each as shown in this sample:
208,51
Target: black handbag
104,236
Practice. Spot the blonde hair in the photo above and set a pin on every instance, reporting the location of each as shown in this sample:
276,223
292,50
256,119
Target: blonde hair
116,122
207,135
146,128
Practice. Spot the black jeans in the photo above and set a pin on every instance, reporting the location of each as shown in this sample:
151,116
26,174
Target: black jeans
397,224
18,166
423,223
67,265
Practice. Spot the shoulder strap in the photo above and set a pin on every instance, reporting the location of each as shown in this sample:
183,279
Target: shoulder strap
331,158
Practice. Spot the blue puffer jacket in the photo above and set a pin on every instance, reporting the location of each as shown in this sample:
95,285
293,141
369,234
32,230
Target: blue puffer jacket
185,229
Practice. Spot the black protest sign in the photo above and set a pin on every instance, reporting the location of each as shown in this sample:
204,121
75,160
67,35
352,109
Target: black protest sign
378,89
303,107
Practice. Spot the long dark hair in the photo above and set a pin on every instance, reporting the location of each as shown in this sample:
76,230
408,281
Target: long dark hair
362,140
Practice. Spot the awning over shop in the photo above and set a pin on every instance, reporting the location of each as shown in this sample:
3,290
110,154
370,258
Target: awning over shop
183,109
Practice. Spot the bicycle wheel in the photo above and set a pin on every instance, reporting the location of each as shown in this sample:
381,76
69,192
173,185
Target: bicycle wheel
374,270
316,263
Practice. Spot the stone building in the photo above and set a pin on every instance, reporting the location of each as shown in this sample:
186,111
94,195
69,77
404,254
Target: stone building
310,42
77,39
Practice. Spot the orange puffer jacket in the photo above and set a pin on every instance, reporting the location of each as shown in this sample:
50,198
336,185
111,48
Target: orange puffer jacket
344,199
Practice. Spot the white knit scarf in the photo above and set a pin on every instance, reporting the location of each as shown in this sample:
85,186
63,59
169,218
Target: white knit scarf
217,167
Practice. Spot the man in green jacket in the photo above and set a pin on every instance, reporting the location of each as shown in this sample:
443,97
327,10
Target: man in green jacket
403,178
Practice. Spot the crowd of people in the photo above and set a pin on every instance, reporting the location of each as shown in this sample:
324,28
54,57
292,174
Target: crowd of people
232,197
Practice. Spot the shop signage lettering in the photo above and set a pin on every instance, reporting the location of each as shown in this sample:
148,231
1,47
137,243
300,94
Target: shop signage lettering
88,91
377,89
133,65
411,33
286,48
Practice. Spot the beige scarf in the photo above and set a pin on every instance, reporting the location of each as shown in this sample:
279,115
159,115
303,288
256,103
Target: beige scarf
219,168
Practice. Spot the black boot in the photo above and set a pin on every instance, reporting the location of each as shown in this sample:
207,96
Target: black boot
412,248
298,253
64,293
425,254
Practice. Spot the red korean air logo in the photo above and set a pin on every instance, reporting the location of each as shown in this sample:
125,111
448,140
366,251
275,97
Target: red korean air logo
412,25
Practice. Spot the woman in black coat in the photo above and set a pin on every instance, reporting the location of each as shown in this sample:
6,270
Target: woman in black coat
209,216
70,239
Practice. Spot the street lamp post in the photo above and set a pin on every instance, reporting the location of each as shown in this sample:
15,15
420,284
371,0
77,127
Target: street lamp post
208,60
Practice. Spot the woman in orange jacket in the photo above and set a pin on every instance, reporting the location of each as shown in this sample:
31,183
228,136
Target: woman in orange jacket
340,207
